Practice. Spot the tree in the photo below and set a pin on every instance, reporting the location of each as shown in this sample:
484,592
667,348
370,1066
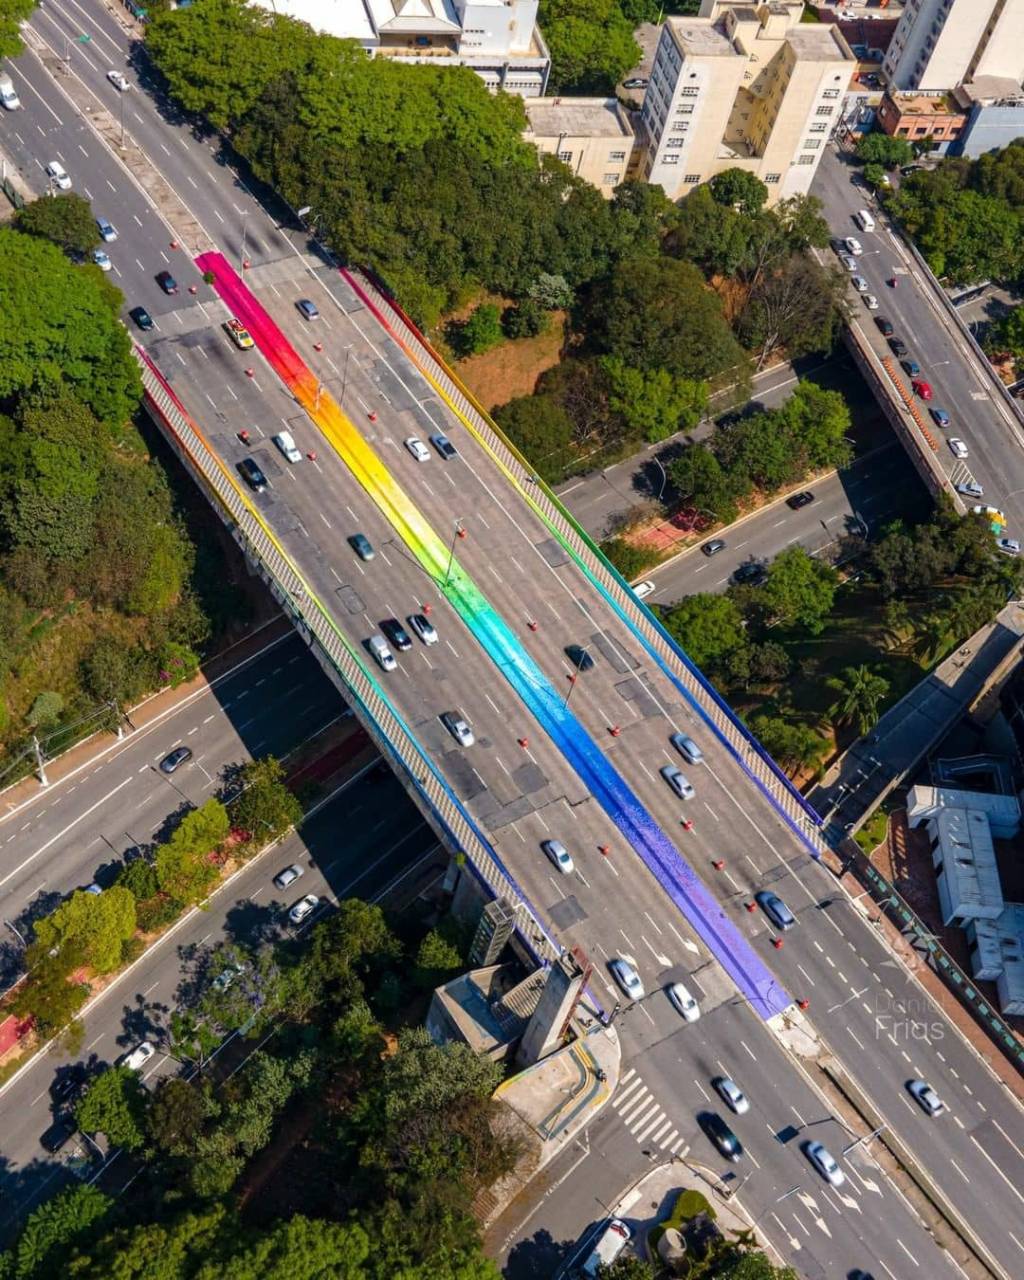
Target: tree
201,830
46,710
47,994
66,220
628,559
52,1230
818,421
799,307
705,484
626,1267
591,44
12,14
880,148
1008,334
794,746
95,926
115,1104
527,319
177,1114
861,692
655,402
351,947
185,866
480,332
539,427
875,176
739,189
264,806
751,1264
436,960
552,292
299,1249
709,628
800,590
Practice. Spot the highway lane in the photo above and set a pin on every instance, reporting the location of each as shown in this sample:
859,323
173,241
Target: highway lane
879,487
411,583
385,839
82,827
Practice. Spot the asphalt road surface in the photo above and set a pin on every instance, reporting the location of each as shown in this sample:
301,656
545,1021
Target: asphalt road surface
523,795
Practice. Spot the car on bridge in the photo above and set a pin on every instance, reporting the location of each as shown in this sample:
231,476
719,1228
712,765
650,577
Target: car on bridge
926,1097
308,309
678,781
444,446
559,855
418,449
362,546
378,646
627,977
922,388
969,489
885,327
687,748
458,727
910,367
775,909
580,657
285,441
239,334
420,625
683,1002
396,633
825,1163
897,346
940,417
253,476
957,447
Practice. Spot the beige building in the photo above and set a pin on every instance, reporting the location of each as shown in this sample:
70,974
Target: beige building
593,136
940,43
742,86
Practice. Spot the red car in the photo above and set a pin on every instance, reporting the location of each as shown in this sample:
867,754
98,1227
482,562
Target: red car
923,389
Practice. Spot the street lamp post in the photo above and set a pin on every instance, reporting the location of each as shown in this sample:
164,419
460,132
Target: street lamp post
124,99
245,228
458,532
574,676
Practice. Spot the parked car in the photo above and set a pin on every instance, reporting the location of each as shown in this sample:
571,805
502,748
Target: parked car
643,589
848,261
731,1094
687,748
870,301
897,346
1008,546
713,547
798,500
59,1134
100,258
251,473
288,876
167,282
142,318
940,417
396,633
683,1002
775,909
58,175
304,908
362,546
854,246
957,447
970,489
285,441
559,855
421,626
922,388
239,334
638,82
444,446
678,781
825,1163
137,1058
418,449
616,1235
926,1097
721,1135
309,310
884,326
910,367
750,574
458,727
627,977
580,657
119,80
860,284
175,759
107,230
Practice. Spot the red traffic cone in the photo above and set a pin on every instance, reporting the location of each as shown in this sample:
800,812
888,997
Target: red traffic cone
318,346
425,608
686,824
777,943
523,742
372,415
604,849
311,455
803,1004
250,373
750,906
614,730
532,625
718,864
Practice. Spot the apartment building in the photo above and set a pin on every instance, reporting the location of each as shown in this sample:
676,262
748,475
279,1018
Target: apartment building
593,136
498,39
742,86
940,43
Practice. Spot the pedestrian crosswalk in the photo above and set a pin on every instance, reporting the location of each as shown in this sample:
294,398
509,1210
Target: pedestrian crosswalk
642,1115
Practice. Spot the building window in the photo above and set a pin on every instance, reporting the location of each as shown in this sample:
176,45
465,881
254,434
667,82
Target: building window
692,179
565,157
676,142
824,111
666,160
680,126
611,179
772,178
689,92
616,155
685,110
807,160
920,131
819,128
831,93
812,144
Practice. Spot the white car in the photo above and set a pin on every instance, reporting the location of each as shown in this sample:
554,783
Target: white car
957,447
627,978
610,1243
970,489
825,1163
58,175
119,80
683,1002
286,443
288,876
418,449
107,230
139,1056
1008,546
731,1094
678,781
871,302
848,261
854,246
101,259
926,1097
643,589
303,908
420,625
860,284
458,728
559,855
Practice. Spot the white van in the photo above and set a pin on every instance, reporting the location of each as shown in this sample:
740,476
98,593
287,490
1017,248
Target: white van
378,646
864,220
610,1243
285,441
8,93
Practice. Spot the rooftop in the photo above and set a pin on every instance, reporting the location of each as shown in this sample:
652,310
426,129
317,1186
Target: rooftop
701,39
969,861
989,89
818,43
577,117
923,104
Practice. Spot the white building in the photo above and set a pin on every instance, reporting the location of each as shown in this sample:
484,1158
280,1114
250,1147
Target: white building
593,136
498,39
743,86
938,44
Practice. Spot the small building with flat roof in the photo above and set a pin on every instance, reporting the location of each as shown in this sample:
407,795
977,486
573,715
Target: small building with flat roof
593,136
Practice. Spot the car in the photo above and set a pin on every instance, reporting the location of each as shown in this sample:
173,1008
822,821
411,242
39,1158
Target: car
58,175
940,417
421,626
884,326
991,514
59,1134
897,346
580,657
304,908
926,1097
285,441
848,261
678,781
970,489
94,889
239,334
750,574
107,230
731,1094
825,1163
854,246
910,367
610,1243
775,909
119,80
683,1003
643,589
860,284
396,633
444,446
251,473
957,447
362,546
922,388
721,1135
713,547
858,1274
68,1085
908,169
458,728
142,318
559,855
167,282
624,973
101,259
798,500
638,82
137,1058
418,449
687,748
307,309
870,301
288,876
1008,546
175,759
378,646
226,977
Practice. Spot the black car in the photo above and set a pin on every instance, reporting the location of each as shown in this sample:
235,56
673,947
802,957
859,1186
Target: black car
252,475
884,326
720,1134
67,1086
897,346
142,318
396,633
175,759
167,282
579,657
750,574
59,1134
444,446
798,500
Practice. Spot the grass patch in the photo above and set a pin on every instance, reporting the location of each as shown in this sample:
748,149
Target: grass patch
872,833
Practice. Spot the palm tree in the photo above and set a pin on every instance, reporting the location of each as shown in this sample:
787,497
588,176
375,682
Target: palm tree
933,634
860,691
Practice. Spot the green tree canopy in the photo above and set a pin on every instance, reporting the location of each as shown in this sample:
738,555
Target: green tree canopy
12,14
709,628
591,44
115,1104
793,745
55,1228
66,220
861,692
880,148
800,590
654,402
264,806
739,189
541,430
95,926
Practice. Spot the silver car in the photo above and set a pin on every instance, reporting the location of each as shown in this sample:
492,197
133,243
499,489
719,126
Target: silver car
860,284
418,449
627,977
138,1057
678,781
731,1094
288,876
559,855
303,908
458,728
683,1002
420,625
926,1097
825,1163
